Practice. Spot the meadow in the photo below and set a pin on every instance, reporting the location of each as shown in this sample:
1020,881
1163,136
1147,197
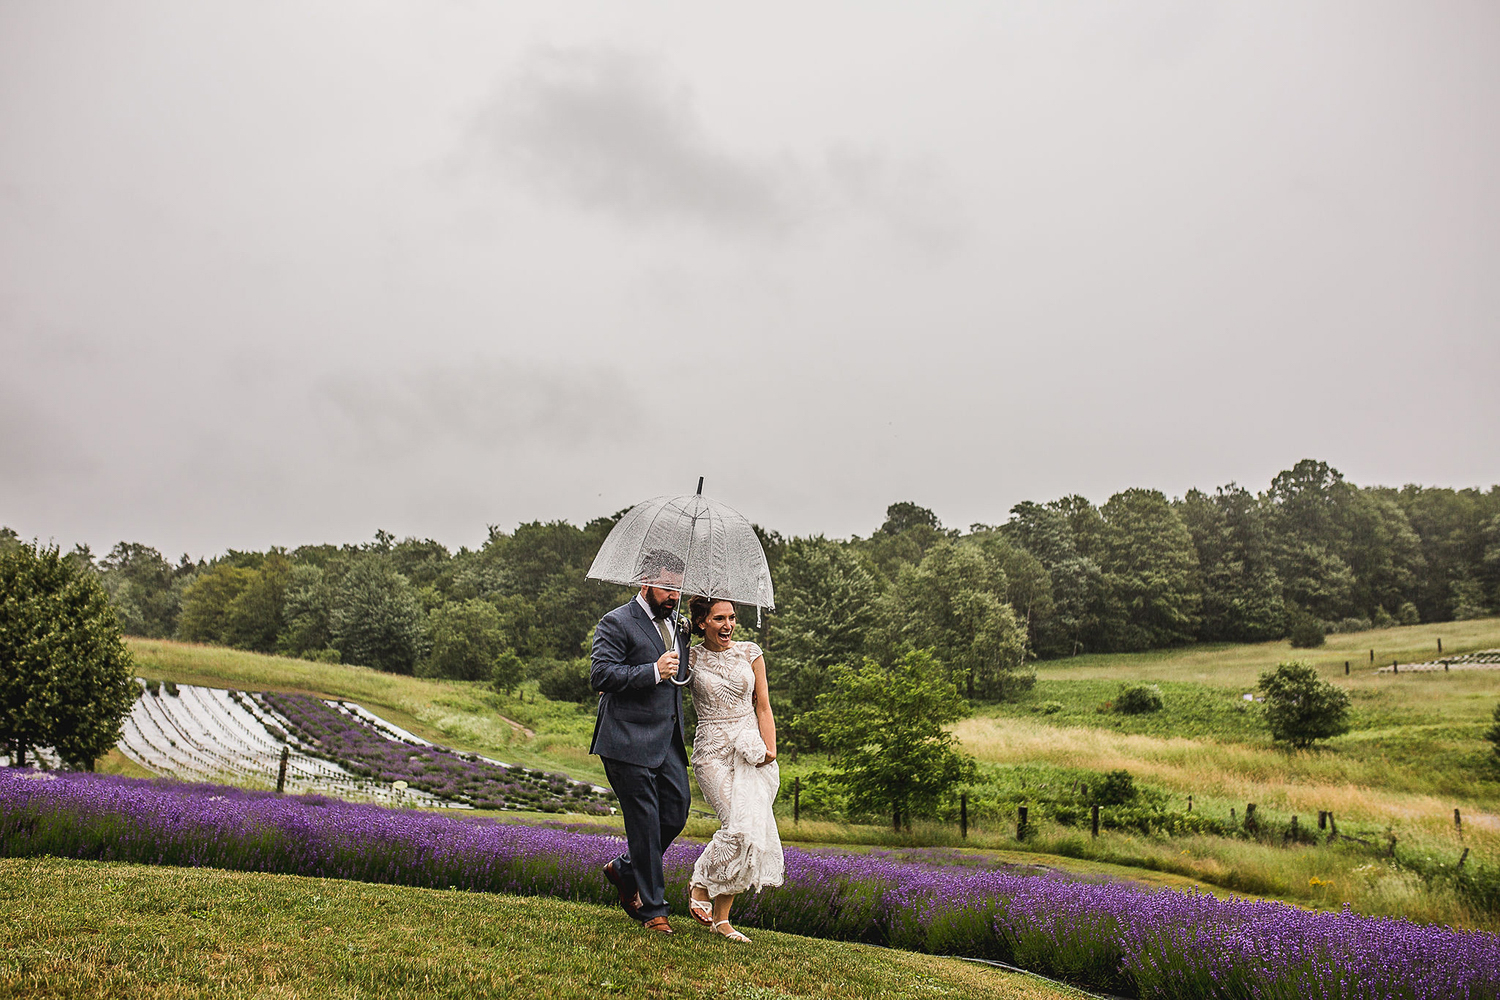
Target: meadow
1414,755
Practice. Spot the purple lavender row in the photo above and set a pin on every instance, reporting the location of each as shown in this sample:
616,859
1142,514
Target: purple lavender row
1109,936
365,751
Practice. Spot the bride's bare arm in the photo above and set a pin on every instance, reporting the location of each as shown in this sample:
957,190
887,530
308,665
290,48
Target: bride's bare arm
763,717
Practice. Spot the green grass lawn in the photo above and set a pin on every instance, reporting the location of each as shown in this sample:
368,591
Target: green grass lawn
87,929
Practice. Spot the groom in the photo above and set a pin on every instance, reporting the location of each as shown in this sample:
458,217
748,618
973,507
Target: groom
638,734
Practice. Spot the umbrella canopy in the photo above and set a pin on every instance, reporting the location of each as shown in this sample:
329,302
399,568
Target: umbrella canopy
712,545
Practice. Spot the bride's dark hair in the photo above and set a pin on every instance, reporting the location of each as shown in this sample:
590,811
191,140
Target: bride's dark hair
699,609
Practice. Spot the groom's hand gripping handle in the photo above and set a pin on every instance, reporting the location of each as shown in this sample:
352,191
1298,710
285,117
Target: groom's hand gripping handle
666,664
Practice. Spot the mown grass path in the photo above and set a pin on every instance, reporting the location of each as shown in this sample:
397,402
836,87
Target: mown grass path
97,930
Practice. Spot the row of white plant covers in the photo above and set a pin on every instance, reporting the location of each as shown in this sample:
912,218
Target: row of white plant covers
210,734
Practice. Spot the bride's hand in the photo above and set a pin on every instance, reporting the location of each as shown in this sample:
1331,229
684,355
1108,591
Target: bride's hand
770,756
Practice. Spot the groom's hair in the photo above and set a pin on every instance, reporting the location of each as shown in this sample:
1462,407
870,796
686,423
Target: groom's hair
659,563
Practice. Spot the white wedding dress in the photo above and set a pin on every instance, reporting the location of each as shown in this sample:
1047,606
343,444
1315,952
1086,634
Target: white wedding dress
746,851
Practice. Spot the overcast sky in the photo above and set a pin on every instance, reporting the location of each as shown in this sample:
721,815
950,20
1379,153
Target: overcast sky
275,273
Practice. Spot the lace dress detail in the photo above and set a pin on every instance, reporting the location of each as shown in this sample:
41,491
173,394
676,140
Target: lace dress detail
745,853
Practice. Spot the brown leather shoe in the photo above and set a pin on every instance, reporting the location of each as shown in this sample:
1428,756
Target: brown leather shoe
659,925
630,900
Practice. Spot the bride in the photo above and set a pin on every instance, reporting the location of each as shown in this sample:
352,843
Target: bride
734,758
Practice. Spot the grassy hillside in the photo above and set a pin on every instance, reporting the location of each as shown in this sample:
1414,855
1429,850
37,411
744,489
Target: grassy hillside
85,929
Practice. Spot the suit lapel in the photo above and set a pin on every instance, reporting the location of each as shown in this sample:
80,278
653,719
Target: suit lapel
647,628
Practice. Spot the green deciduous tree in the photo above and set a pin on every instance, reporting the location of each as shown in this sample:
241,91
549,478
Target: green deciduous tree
826,607
1079,593
908,532
1305,507
1152,569
1300,708
375,619
146,590
65,674
205,603
884,731
307,605
508,672
466,641
953,603
1242,599
253,618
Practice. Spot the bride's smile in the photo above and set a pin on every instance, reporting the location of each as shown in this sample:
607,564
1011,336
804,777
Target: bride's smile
718,629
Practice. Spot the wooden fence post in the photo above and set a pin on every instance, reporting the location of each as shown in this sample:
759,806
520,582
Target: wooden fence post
1462,858
1346,668
1322,819
281,772
1458,824
963,815
1020,822
1333,828
1094,821
1291,833
1395,666
1250,815
1440,645
1190,803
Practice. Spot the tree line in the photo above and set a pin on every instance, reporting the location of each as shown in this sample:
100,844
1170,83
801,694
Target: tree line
1054,579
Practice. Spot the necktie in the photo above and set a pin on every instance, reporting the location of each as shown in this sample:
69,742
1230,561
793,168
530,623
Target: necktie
666,635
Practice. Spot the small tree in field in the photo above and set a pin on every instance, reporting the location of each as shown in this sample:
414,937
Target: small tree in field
883,729
1493,733
1305,631
508,672
1300,708
65,675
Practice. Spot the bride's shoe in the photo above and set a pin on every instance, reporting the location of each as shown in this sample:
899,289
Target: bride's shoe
731,934
702,910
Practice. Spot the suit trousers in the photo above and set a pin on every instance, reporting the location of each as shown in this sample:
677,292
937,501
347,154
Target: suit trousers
654,804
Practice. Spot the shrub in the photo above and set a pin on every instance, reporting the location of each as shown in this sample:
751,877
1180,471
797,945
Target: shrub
566,680
1383,619
1306,631
1407,614
1048,707
508,671
1138,699
1116,789
1346,625
1300,708
1493,733
322,655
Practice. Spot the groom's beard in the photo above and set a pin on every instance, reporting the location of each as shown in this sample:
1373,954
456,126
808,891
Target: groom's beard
662,609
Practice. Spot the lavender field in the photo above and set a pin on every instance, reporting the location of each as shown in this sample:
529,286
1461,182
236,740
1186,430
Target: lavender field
1109,936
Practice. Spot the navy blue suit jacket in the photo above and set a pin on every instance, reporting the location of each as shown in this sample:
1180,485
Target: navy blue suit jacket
639,716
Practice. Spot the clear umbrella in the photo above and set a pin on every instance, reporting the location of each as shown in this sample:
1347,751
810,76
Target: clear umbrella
711,545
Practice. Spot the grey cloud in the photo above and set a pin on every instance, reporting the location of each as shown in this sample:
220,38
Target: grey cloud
605,130
492,406
609,132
